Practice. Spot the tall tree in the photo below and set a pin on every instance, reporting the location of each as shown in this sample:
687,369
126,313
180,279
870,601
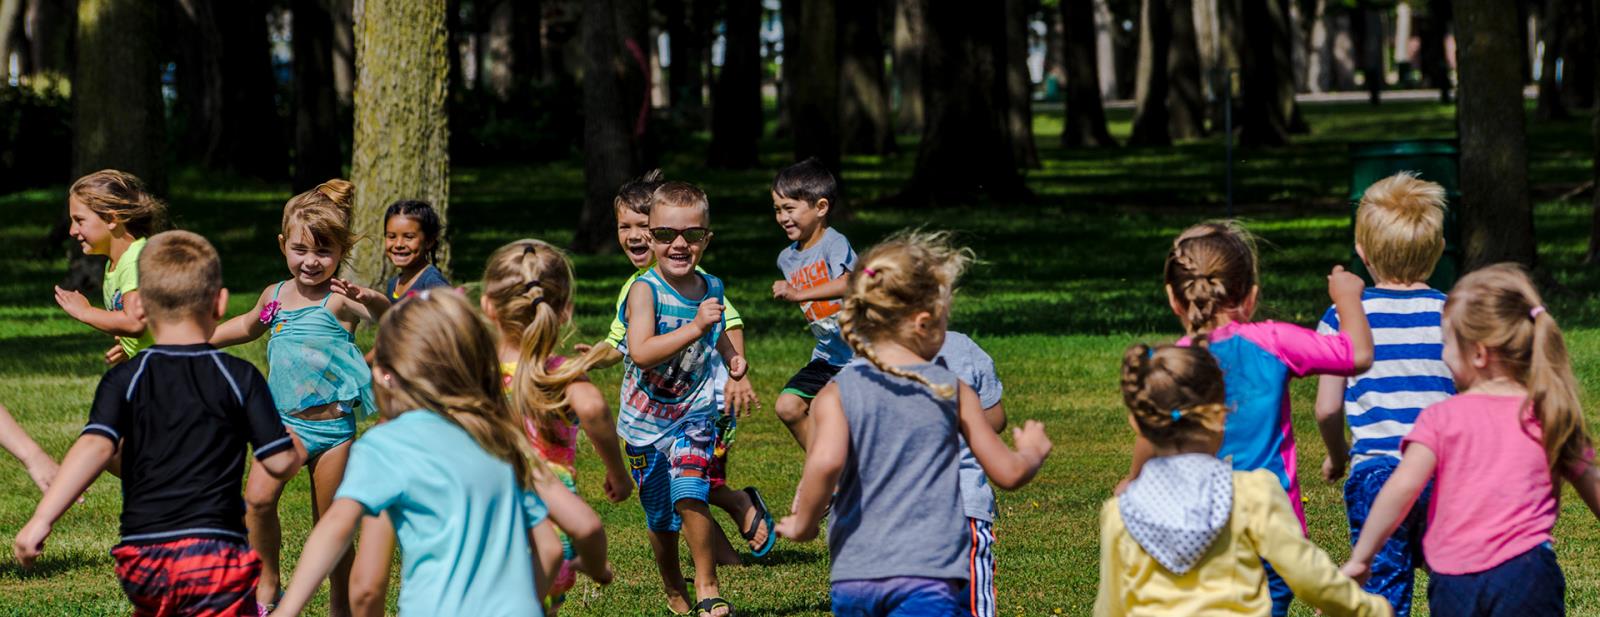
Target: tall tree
688,26
402,133
1019,82
12,36
226,89
908,44
1266,119
864,121
1186,102
344,51
1594,129
1577,64
1150,93
1435,65
1551,105
966,148
52,34
614,124
317,154
1496,219
815,82
736,98
1085,124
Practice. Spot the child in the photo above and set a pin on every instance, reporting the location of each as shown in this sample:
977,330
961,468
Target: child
1211,286
669,405
1495,453
180,416
962,356
744,506
112,215
888,434
411,231
41,468
1399,236
1189,535
318,377
816,267
452,469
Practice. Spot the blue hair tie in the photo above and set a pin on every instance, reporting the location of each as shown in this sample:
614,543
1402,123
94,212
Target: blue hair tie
1176,414
1149,352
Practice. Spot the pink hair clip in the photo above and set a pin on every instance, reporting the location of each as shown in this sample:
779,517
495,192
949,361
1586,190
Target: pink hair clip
869,272
1534,314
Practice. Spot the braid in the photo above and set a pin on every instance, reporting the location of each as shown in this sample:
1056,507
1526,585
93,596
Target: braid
909,273
1211,269
1175,394
865,350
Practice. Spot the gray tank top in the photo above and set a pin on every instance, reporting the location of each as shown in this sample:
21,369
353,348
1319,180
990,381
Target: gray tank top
898,511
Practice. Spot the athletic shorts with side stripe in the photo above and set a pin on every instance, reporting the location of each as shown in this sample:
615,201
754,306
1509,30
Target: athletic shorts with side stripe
980,565
190,576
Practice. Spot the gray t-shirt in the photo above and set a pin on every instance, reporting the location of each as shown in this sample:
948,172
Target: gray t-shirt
898,510
830,258
971,365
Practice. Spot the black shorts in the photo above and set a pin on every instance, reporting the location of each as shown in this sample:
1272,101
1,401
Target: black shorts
811,379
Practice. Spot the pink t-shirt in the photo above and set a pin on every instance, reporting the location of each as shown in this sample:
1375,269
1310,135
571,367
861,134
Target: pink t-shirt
1493,495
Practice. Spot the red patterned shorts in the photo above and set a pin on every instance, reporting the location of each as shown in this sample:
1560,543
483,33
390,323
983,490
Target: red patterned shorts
189,576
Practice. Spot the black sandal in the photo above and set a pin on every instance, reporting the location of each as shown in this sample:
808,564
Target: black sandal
762,516
710,604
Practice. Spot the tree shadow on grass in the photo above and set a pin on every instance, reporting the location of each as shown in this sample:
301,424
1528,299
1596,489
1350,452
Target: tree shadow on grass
54,355
50,564
800,607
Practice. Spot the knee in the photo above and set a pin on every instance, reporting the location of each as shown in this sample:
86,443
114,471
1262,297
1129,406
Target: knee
791,408
367,594
260,498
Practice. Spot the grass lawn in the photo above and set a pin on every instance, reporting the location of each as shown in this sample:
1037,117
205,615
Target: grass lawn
1065,284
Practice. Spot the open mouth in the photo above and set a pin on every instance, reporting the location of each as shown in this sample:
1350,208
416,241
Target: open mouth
638,250
679,258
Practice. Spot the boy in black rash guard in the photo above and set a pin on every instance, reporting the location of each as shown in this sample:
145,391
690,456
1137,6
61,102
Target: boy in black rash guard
180,416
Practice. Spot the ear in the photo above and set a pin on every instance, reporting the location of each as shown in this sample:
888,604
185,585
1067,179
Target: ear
1362,253
1172,302
133,304
823,206
488,308
283,244
1249,306
221,309
1480,356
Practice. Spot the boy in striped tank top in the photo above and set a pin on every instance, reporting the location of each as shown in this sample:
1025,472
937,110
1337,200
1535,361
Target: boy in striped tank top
1399,236
669,403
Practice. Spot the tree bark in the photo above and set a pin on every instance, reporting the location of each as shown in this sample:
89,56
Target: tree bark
865,123
686,45
1085,125
1266,120
1284,63
402,133
1496,220
1320,52
316,113
1019,84
1150,93
816,84
52,35
789,14
12,36
1551,105
344,51
1435,64
1186,102
1124,48
1594,130
736,99
908,46
227,90
1578,68
496,67
614,84
527,45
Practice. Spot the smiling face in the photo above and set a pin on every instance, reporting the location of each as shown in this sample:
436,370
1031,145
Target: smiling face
633,235
404,242
799,219
679,257
92,232
310,263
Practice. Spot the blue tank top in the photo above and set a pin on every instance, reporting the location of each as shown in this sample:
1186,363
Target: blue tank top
312,360
656,400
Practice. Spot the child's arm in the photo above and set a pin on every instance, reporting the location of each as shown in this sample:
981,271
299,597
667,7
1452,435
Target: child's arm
1588,486
1143,451
594,416
1330,422
327,543
582,525
243,328
116,323
40,466
1306,568
825,459
1007,469
1345,290
740,396
369,305
547,555
369,576
836,288
733,358
649,349
1393,502
81,466
996,415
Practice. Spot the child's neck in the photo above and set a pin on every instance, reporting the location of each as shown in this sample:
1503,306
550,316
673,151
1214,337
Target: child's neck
1398,286
1494,381
509,350
410,273
895,353
119,246
690,286
185,332
816,236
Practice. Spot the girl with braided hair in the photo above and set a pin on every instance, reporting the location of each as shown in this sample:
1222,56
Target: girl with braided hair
1189,536
888,434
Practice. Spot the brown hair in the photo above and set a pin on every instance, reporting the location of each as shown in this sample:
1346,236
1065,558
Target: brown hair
1400,227
1211,268
678,194
1498,307
120,197
909,273
442,356
638,194
180,276
529,283
1175,394
324,213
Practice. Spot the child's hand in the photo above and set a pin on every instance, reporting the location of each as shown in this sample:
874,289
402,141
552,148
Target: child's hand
43,471
72,302
617,488
1030,438
30,542
783,291
789,528
1344,286
709,316
116,355
1332,470
741,397
737,366
353,291
582,348
1360,571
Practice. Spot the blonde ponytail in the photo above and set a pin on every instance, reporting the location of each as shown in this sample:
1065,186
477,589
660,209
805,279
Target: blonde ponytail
909,273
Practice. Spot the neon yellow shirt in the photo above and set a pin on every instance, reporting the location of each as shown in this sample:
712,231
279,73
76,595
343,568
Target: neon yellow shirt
619,328
121,281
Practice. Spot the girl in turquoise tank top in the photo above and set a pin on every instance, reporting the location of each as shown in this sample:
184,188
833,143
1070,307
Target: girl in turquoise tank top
319,380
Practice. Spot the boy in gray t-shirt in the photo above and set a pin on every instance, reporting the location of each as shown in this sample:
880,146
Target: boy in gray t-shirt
972,365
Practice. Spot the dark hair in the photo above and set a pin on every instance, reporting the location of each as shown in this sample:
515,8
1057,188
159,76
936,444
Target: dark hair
638,194
1175,394
425,216
808,181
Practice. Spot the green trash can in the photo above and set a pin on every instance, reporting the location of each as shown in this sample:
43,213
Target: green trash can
1434,160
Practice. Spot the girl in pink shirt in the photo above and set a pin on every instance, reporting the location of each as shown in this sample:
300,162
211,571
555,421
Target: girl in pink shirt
1494,453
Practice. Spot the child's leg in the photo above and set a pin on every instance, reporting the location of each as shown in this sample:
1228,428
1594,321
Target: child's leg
981,588
664,546
697,533
261,493
651,474
796,415
369,575
690,456
326,474
1393,569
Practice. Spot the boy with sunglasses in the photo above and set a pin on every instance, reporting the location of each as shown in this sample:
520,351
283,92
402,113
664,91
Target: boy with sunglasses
816,267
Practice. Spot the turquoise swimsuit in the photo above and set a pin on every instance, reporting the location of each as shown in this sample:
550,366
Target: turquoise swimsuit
313,361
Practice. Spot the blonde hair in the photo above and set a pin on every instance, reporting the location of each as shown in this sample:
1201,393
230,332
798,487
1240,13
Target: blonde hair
324,213
909,273
180,276
1400,227
678,194
1499,308
529,283
1175,394
442,357
1211,268
120,197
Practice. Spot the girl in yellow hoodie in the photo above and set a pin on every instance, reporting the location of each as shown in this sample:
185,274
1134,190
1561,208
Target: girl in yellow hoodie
1187,537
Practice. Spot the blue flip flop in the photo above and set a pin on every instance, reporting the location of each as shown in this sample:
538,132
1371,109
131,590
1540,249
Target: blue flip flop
764,516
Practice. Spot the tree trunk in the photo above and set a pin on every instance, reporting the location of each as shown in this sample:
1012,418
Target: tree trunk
966,149
12,36
316,113
226,78
1266,120
614,83
527,48
1319,64
1577,73
1594,130
1150,94
1055,55
344,51
1496,220
496,69
1370,38
1124,47
1284,63
1085,125
816,84
1435,64
736,99
789,71
865,123
1019,84
52,33
1551,105
908,51
686,45
1186,102
402,133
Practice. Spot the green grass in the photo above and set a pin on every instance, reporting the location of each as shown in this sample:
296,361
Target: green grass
1066,282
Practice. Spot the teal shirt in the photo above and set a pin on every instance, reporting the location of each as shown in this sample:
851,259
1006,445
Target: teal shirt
458,512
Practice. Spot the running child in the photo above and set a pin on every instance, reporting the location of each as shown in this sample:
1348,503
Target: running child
816,269
411,232
112,214
1399,236
888,435
454,471
1211,284
669,403
41,468
180,416
1190,534
962,356
319,380
1496,454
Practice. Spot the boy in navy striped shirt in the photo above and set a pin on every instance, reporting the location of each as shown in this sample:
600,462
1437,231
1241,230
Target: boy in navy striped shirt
1400,237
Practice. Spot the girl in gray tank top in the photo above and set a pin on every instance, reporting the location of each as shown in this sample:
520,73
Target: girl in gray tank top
886,433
